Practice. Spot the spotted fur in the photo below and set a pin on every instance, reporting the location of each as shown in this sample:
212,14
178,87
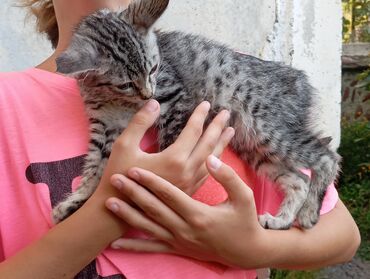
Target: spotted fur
120,62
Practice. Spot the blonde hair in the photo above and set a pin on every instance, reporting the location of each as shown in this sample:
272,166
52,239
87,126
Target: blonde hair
46,20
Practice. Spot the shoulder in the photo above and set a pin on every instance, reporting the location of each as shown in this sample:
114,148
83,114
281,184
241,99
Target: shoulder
34,80
9,78
11,81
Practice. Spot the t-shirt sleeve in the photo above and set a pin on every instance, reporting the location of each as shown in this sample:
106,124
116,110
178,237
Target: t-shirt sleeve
330,200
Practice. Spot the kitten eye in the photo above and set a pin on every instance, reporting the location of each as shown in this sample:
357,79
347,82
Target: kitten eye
126,86
103,84
154,69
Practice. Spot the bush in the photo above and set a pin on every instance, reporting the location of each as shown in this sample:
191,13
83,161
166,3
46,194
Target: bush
354,183
282,274
355,150
357,199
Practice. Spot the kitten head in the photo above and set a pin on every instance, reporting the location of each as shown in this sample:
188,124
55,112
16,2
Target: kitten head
115,54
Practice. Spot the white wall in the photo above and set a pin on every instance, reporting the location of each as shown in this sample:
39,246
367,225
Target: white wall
20,46
303,33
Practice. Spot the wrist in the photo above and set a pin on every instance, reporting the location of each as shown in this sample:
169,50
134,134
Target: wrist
283,247
95,211
255,253
69,246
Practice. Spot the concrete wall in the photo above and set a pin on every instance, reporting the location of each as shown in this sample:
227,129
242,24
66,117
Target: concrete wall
303,33
20,46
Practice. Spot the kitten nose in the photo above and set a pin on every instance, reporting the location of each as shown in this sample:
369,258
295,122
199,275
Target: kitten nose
146,94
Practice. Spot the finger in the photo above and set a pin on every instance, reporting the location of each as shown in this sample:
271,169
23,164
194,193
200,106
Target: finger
140,123
201,172
153,207
136,219
141,245
236,189
209,139
172,196
193,130
224,141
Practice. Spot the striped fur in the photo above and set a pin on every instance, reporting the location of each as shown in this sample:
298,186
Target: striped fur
120,62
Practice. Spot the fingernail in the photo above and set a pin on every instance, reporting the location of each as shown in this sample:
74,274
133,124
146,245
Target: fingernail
230,132
151,106
214,162
114,246
206,105
226,115
118,183
113,207
134,174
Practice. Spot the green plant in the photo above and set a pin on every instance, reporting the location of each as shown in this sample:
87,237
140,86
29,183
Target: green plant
282,274
357,199
364,80
354,184
356,20
355,151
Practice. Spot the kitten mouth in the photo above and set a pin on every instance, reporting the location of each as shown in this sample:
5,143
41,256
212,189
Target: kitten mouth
146,97
146,94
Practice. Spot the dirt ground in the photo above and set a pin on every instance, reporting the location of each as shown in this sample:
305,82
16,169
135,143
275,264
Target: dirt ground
357,269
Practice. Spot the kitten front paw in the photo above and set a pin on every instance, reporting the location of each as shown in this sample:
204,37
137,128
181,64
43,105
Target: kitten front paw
275,223
308,217
65,209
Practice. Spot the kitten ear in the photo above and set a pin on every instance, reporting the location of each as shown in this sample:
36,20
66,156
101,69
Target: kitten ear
77,61
142,14
72,63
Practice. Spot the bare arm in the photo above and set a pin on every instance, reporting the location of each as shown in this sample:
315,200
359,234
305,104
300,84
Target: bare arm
228,233
71,245
335,239
68,247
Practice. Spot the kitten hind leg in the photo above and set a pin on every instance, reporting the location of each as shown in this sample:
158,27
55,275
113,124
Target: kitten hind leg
323,174
295,186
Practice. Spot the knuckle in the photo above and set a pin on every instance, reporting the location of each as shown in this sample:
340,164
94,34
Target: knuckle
211,145
121,144
186,178
217,124
177,163
165,194
197,127
139,120
200,222
187,236
230,176
130,192
198,131
248,194
151,210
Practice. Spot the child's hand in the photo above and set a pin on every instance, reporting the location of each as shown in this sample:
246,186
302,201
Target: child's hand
182,163
228,233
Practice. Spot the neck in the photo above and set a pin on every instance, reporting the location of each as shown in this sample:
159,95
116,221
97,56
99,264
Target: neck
67,21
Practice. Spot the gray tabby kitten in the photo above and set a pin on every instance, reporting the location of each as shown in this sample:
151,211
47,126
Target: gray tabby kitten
120,62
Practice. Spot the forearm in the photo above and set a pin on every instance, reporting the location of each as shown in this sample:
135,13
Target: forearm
68,247
333,240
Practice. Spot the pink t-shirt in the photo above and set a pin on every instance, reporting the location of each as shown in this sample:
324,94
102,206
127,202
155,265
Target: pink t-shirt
42,144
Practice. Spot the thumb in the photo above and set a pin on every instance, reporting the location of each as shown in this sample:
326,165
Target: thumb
140,123
235,187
